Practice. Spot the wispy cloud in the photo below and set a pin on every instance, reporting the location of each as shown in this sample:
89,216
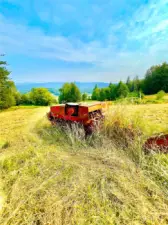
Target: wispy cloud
34,42
125,47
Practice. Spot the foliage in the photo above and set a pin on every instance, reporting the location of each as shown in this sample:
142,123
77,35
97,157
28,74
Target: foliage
112,88
102,95
69,93
134,85
37,96
25,99
121,90
156,79
160,95
96,93
133,94
84,97
40,96
111,92
18,98
8,90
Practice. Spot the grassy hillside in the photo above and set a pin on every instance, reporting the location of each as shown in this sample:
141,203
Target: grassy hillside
52,177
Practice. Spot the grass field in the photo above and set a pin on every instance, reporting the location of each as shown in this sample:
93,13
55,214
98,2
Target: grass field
155,96
50,177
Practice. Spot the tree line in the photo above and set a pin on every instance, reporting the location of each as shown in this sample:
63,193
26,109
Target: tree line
155,80
9,96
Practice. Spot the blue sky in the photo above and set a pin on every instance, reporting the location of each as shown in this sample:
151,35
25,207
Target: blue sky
82,40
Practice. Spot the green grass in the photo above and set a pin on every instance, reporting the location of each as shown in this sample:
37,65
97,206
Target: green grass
49,176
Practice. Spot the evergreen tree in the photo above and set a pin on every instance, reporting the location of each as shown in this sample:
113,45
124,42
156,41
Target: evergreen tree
107,93
75,94
136,84
112,89
156,79
102,95
96,93
7,87
122,90
129,84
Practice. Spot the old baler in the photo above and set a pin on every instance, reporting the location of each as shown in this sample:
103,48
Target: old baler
88,115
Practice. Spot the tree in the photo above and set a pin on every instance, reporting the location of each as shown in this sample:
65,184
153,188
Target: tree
102,95
112,88
69,93
129,84
75,93
156,79
96,93
121,90
136,84
128,81
7,87
107,93
84,97
40,96
10,94
18,98
25,99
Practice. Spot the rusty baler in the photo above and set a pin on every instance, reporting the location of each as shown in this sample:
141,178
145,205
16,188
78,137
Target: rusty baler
157,143
87,115
91,116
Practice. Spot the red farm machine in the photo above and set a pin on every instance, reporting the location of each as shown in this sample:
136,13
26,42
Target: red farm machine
91,117
158,143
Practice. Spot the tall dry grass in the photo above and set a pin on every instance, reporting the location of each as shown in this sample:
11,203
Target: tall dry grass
104,179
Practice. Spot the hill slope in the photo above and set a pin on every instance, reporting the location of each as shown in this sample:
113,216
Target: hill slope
55,86
52,177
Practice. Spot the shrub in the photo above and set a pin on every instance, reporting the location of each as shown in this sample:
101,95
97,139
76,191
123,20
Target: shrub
160,95
40,96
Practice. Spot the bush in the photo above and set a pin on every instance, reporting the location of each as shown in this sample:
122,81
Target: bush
25,99
160,95
40,96
18,98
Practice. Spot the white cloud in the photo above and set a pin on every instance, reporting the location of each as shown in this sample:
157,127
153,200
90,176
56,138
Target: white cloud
142,42
160,26
33,42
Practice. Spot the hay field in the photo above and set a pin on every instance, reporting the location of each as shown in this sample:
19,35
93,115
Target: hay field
50,177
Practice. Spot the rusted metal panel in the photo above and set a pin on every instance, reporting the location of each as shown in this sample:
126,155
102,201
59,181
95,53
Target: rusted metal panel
159,142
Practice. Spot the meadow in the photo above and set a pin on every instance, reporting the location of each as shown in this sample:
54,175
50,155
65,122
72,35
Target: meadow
49,176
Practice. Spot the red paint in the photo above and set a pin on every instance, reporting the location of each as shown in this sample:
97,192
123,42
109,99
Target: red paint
159,142
58,112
